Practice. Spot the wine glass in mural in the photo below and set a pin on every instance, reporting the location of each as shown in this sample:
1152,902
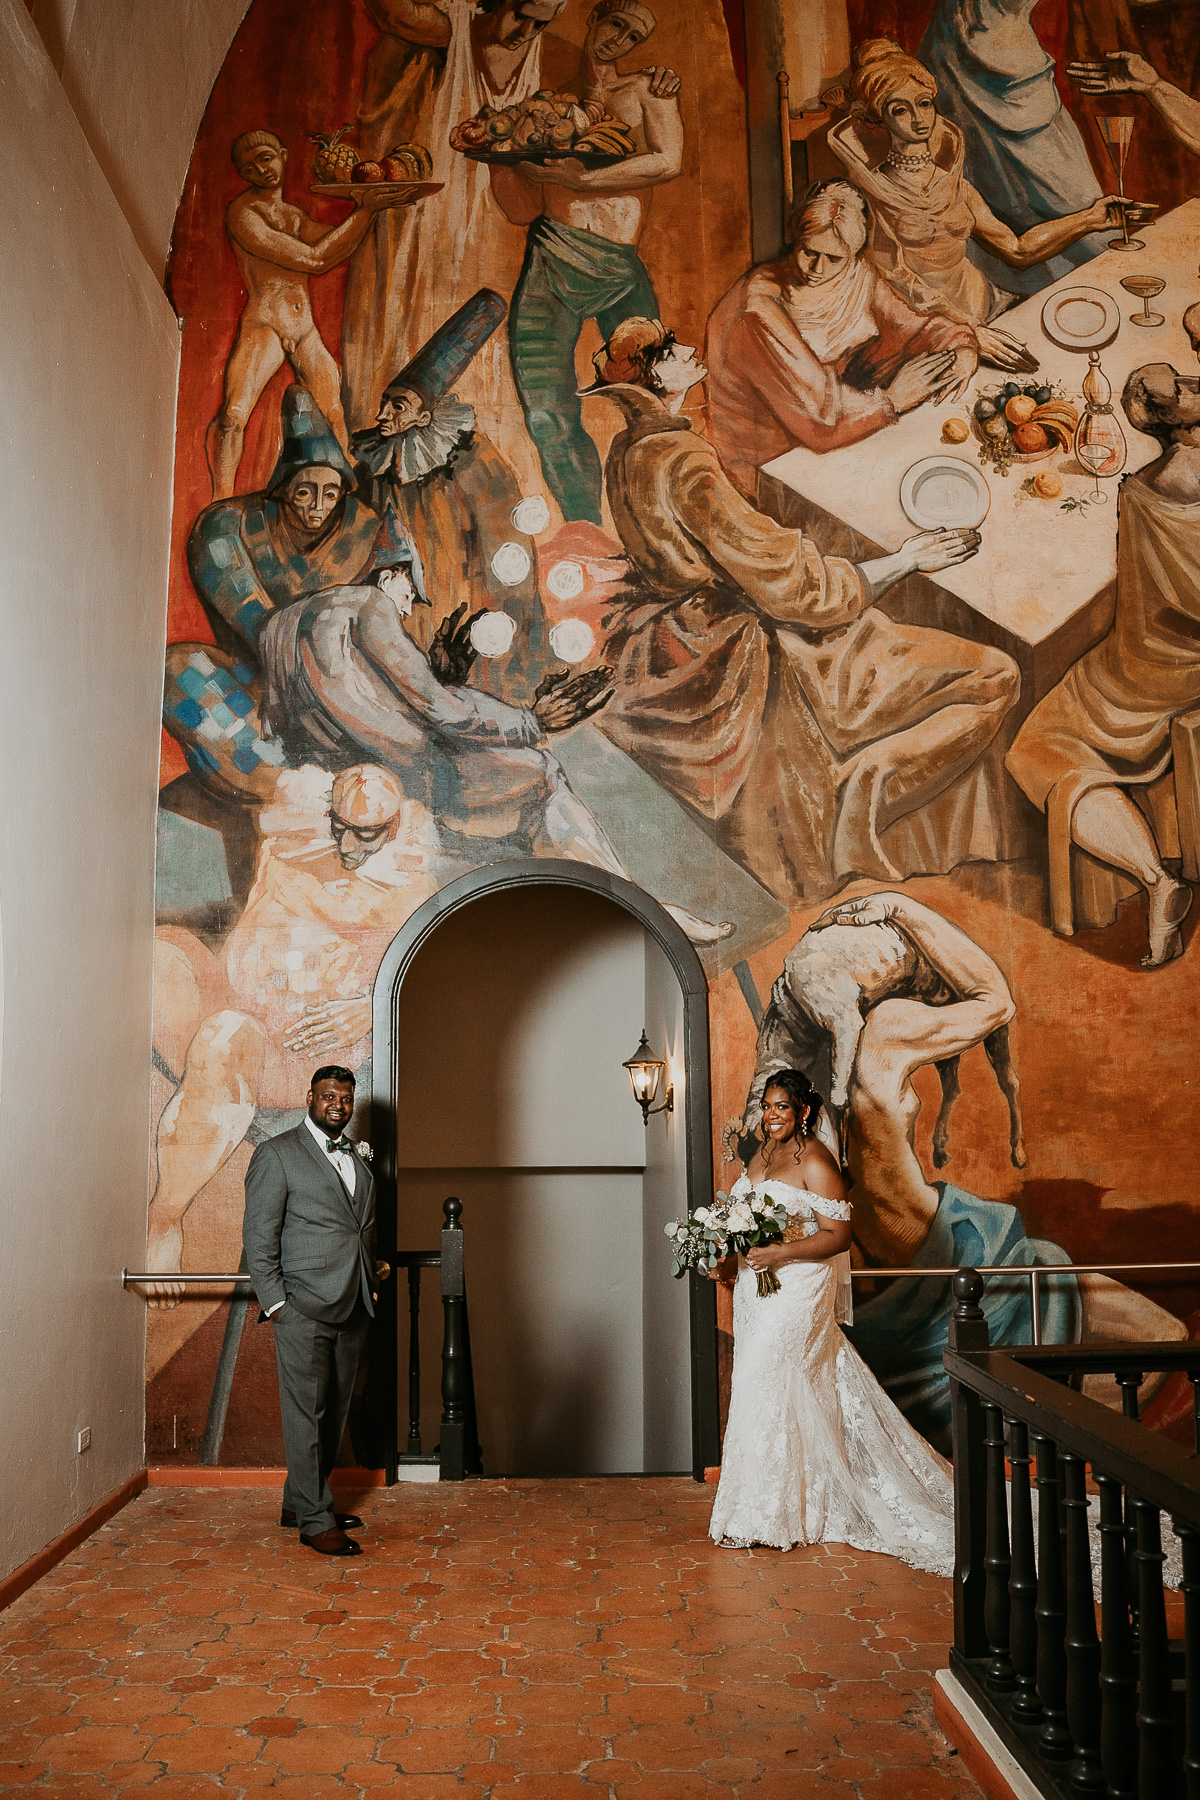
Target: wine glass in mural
1117,130
1145,287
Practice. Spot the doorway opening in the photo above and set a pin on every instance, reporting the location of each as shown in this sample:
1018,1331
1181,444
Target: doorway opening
503,1013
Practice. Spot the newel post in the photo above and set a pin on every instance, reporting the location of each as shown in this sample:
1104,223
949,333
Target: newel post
968,1334
454,1347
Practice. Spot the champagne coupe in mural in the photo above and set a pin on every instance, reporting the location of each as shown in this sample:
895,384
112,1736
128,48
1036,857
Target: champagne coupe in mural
1117,129
1145,287
1099,440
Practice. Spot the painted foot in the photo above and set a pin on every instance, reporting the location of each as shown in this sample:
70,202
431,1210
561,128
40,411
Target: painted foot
701,931
1170,902
164,1255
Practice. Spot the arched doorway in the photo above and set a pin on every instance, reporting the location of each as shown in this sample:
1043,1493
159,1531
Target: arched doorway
388,1116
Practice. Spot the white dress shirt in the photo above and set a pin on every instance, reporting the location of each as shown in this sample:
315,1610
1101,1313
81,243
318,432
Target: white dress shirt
343,1162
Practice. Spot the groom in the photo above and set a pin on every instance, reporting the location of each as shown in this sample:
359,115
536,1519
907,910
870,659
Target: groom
309,1236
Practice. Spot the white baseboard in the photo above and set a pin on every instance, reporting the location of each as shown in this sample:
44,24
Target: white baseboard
1004,1765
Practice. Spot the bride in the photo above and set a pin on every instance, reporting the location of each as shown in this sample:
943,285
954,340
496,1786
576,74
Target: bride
814,1451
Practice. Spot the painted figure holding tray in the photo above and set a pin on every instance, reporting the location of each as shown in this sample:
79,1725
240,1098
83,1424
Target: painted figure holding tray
581,257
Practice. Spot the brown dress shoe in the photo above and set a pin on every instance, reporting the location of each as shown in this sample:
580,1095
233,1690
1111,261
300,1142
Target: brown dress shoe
343,1521
332,1543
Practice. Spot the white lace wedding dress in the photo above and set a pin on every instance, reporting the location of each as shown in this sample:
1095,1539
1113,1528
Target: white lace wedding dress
814,1450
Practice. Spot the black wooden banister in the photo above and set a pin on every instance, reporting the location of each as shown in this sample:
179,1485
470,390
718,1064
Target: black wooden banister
1112,1712
458,1453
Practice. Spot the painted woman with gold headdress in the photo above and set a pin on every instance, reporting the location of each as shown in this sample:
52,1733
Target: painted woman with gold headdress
908,163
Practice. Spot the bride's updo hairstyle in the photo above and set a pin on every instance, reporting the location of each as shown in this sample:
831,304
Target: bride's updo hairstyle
881,69
803,1099
831,206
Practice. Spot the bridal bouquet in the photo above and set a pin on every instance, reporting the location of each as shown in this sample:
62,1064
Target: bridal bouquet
712,1232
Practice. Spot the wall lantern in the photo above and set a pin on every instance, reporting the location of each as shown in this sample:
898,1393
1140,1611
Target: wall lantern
645,1073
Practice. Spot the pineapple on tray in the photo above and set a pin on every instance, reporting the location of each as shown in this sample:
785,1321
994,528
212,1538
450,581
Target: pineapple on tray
341,168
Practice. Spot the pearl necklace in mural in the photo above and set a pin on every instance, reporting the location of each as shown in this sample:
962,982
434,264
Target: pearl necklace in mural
921,159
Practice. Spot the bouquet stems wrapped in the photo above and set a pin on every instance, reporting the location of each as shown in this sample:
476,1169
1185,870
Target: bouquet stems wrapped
733,1225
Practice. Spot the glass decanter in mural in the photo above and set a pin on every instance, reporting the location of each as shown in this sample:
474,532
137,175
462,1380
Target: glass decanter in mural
1099,440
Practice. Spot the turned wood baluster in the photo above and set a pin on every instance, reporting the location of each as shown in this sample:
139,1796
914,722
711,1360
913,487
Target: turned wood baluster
968,1333
1129,1384
1154,1669
996,1560
454,1363
1118,1680
1054,1739
1189,1537
1081,1643
1022,1581
414,1359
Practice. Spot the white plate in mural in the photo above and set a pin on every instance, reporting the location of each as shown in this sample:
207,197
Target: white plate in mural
1081,318
943,493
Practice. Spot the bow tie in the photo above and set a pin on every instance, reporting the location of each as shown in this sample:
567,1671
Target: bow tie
333,1145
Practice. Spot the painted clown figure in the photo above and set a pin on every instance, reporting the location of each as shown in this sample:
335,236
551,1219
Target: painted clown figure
426,467
307,530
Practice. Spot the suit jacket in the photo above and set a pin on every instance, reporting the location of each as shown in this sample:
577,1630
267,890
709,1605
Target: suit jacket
307,1240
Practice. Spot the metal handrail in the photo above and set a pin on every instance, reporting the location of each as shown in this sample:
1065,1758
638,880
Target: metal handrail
133,1277
1031,1272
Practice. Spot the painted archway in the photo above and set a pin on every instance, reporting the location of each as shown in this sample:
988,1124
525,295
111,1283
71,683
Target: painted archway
387,1102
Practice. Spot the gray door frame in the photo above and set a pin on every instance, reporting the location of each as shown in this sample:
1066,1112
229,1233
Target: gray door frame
387,1111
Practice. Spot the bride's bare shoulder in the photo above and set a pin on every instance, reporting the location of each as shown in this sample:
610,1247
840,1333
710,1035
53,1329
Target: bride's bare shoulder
820,1172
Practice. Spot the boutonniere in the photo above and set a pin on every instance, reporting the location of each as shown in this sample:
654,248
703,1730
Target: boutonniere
365,1151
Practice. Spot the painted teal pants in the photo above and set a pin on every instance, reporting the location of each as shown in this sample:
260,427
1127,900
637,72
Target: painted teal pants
568,277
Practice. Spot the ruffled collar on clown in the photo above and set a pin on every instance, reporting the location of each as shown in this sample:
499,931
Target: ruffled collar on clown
412,455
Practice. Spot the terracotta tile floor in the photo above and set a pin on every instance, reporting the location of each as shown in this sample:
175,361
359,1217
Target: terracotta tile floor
534,1639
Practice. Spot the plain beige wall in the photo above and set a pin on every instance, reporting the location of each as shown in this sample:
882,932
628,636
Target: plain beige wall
89,351
138,74
666,1343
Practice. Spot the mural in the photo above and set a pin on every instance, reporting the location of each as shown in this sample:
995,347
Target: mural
509,484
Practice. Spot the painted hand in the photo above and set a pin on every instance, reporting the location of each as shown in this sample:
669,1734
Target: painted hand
334,1025
1121,72
451,653
664,82
872,909
1004,352
566,171
930,551
562,699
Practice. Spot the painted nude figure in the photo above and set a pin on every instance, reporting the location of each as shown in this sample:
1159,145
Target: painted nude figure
581,260
343,864
832,978
903,1219
277,247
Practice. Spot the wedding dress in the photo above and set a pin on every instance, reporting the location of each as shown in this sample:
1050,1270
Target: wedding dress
814,1450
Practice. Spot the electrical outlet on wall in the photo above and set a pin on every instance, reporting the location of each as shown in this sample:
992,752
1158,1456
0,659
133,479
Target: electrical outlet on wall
84,1440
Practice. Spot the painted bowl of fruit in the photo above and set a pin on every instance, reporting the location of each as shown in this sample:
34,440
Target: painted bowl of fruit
1022,423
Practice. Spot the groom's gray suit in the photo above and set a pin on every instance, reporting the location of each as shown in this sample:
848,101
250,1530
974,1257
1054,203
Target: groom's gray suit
311,1244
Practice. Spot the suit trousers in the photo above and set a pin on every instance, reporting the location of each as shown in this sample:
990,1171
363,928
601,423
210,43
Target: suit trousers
317,1365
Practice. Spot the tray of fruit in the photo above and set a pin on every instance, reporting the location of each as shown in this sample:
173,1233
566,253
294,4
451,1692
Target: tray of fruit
1022,424
342,169
544,129
405,191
